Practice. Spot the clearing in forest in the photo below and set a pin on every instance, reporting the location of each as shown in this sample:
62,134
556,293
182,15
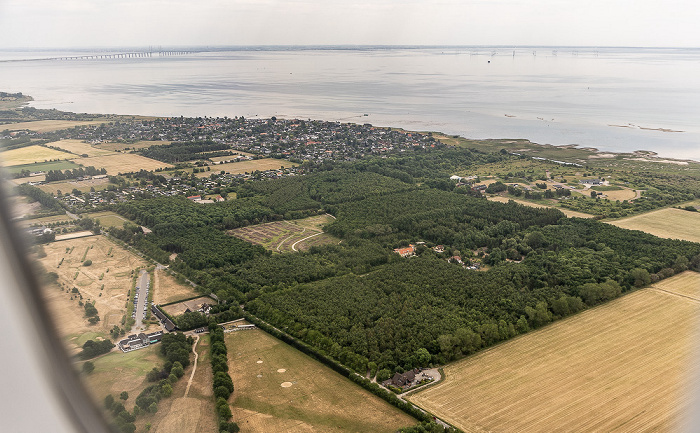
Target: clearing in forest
287,236
665,223
622,366
107,281
280,389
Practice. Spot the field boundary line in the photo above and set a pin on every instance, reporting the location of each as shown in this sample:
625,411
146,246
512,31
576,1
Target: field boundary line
676,294
294,245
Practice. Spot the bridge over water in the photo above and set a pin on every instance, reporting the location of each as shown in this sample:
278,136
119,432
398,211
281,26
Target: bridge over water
103,56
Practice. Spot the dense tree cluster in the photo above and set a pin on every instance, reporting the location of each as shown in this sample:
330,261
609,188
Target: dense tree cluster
47,200
222,383
93,348
56,175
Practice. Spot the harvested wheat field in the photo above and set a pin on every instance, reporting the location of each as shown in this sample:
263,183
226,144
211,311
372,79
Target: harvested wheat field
622,367
30,155
122,163
279,389
107,281
567,212
665,223
79,147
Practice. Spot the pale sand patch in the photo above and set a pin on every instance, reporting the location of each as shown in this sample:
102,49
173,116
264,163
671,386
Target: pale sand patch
281,370
286,384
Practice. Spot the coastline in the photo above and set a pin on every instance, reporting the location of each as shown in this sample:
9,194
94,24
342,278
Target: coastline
576,153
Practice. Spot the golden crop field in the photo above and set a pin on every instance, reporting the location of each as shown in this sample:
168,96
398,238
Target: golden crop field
50,125
248,166
279,389
31,154
665,223
79,147
623,366
567,212
122,163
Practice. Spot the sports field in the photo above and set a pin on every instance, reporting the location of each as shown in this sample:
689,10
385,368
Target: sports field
279,389
665,223
79,147
623,367
248,166
287,236
122,163
30,155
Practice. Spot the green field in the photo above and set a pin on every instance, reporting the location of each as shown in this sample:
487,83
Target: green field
43,166
280,389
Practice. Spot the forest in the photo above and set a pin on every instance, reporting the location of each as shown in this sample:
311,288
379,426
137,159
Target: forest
371,309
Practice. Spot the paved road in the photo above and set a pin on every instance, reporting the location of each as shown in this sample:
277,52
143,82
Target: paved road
142,284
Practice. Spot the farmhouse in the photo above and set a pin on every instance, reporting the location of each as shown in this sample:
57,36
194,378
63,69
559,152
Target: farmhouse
402,380
592,182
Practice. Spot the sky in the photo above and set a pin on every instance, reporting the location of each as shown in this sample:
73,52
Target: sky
141,23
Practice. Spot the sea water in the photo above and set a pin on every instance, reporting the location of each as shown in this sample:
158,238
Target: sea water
613,99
